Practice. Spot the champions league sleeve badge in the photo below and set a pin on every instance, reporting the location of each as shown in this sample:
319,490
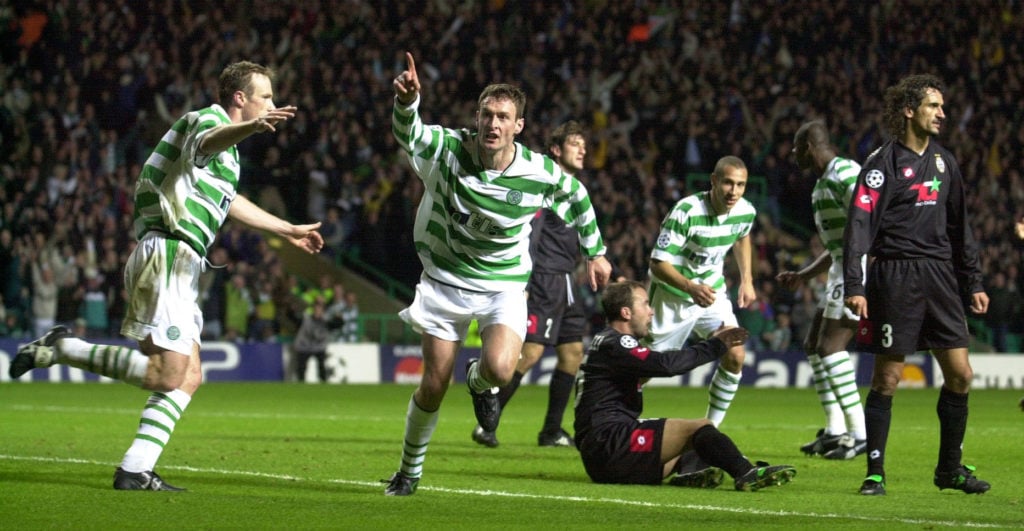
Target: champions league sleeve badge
874,179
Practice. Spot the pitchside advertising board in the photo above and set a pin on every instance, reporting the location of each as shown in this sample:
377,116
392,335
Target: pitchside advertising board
369,363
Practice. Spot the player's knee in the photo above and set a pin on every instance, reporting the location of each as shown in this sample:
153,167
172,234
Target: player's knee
885,383
732,360
499,376
960,381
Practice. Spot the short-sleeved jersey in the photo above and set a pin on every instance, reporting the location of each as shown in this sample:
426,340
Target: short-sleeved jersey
909,206
608,385
472,228
695,240
830,201
183,193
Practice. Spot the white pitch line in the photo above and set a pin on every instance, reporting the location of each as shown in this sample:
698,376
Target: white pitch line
523,495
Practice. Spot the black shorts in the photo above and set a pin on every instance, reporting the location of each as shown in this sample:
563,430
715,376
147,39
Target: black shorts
552,318
913,305
625,453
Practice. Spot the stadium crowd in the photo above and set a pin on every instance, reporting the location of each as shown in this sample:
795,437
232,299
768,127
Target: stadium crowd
665,87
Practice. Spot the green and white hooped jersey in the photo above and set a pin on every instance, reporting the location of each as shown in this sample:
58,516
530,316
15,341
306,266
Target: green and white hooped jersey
472,228
830,200
182,193
695,240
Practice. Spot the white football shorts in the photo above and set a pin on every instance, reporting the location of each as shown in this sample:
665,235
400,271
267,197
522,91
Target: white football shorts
831,304
675,319
445,311
162,280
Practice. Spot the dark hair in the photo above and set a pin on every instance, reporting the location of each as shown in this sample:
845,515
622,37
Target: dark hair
616,296
907,94
504,91
564,131
814,132
238,76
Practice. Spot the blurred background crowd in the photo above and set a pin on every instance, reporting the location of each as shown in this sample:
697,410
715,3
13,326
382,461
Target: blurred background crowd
666,88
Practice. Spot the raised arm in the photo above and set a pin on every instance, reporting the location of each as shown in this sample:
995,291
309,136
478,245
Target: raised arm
407,84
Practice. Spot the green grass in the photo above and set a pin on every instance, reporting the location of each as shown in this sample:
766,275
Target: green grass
304,456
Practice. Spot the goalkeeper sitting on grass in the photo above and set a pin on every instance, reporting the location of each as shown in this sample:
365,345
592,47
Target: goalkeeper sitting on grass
618,447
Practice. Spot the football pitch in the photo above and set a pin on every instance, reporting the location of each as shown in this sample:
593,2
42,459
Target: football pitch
263,456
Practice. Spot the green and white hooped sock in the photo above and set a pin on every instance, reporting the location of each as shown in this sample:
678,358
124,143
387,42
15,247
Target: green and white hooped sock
161,414
419,427
113,361
723,389
835,420
843,379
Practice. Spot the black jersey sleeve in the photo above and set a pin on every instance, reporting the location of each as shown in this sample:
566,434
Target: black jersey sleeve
864,216
961,237
622,353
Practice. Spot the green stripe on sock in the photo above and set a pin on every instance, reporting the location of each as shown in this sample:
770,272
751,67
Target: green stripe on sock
155,424
150,438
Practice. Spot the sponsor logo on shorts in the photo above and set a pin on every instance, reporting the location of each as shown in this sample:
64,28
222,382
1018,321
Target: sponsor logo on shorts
864,335
641,441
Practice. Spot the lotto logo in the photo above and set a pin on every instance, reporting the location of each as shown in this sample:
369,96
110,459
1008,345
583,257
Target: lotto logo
865,199
641,441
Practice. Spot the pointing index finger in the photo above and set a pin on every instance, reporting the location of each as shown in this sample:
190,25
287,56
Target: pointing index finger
412,63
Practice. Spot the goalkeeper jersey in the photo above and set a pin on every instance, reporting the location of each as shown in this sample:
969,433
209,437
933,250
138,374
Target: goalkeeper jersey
183,193
472,228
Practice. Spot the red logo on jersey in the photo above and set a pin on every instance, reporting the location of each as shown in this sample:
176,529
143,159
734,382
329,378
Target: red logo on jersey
908,173
640,353
865,199
641,441
865,333
928,191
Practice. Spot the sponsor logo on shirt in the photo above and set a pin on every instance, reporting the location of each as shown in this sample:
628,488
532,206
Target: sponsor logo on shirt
927,192
865,199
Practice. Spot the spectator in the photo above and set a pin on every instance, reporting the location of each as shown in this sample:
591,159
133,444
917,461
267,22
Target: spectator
44,296
311,342
1002,306
238,308
780,336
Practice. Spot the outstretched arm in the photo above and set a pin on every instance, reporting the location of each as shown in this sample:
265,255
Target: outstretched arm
224,136
304,237
792,279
